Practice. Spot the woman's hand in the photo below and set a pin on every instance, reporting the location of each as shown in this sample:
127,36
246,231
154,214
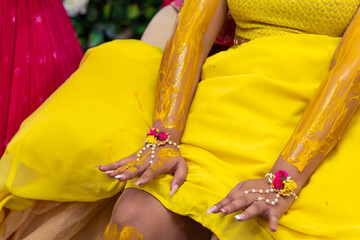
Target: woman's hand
238,200
167,159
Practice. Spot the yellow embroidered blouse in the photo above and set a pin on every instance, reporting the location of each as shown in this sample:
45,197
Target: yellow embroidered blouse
257,18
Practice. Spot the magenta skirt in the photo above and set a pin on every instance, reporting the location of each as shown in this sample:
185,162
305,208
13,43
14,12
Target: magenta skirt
39,50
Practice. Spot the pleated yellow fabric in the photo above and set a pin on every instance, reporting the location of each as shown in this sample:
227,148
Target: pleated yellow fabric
244,111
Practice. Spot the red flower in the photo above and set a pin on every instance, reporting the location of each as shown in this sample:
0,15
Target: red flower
281,174
278,183
152,131
162,136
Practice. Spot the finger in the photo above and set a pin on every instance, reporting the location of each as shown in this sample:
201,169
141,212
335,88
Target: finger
237,204
217,207
148,175
273,220
179,177
132,170
255,209
115,165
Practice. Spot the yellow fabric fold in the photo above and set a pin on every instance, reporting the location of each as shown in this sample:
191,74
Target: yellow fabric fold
245,109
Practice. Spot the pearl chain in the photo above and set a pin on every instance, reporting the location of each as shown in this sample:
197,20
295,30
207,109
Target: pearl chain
153,147
268,201
279,193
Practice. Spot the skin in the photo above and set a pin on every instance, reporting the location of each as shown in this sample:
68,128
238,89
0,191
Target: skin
319,130
160,27
176,77
127,233
341,84
179,75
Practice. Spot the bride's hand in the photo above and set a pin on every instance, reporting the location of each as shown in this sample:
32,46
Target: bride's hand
167,159
238,200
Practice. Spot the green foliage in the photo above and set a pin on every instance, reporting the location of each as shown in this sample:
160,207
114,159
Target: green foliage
113,19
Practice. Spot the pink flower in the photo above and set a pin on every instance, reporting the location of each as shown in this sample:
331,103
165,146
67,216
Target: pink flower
281,174
278,183
162,136
152,131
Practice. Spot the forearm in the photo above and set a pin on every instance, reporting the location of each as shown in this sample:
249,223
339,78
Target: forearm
328,114
194,32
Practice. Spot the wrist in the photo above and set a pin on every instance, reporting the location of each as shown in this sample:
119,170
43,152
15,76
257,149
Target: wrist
299,178
175,135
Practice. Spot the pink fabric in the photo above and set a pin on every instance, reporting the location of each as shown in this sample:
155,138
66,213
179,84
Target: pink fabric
39,50
227,33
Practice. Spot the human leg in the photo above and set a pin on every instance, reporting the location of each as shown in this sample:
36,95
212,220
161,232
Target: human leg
139,210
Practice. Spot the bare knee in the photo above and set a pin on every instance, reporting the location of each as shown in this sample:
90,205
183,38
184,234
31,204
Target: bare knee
140,215
128,209
134,215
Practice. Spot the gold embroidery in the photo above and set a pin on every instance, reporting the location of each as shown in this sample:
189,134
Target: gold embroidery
257,18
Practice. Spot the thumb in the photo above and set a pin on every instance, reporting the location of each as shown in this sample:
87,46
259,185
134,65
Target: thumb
179,177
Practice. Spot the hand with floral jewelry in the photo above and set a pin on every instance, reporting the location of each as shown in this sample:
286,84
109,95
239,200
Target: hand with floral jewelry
159,155
270,197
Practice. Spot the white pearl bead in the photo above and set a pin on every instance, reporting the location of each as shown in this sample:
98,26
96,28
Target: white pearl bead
151,162
152,152
153,148
253,190
178,146
152,156
277,196
267,191
296,197
137,159
273,203
271,190
259,198
170,142
260,191
140,152
174,144
144,148
147,146
267,200
139,155
276,200
246,192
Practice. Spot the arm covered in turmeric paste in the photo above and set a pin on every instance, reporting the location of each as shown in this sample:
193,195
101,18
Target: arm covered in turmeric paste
194,32
329,112
318,131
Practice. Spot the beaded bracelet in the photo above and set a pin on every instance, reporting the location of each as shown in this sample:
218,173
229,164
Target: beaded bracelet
280,183
155,138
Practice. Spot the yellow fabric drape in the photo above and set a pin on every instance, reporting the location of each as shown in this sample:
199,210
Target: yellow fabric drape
244,111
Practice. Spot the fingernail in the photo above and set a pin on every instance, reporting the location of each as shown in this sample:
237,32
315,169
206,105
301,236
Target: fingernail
211,210
220,213
98,166
274,229
239,217
111,171
174,190
137,182
119,176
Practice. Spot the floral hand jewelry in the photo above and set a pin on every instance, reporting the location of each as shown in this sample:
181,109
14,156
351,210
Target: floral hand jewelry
155,138
281,184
